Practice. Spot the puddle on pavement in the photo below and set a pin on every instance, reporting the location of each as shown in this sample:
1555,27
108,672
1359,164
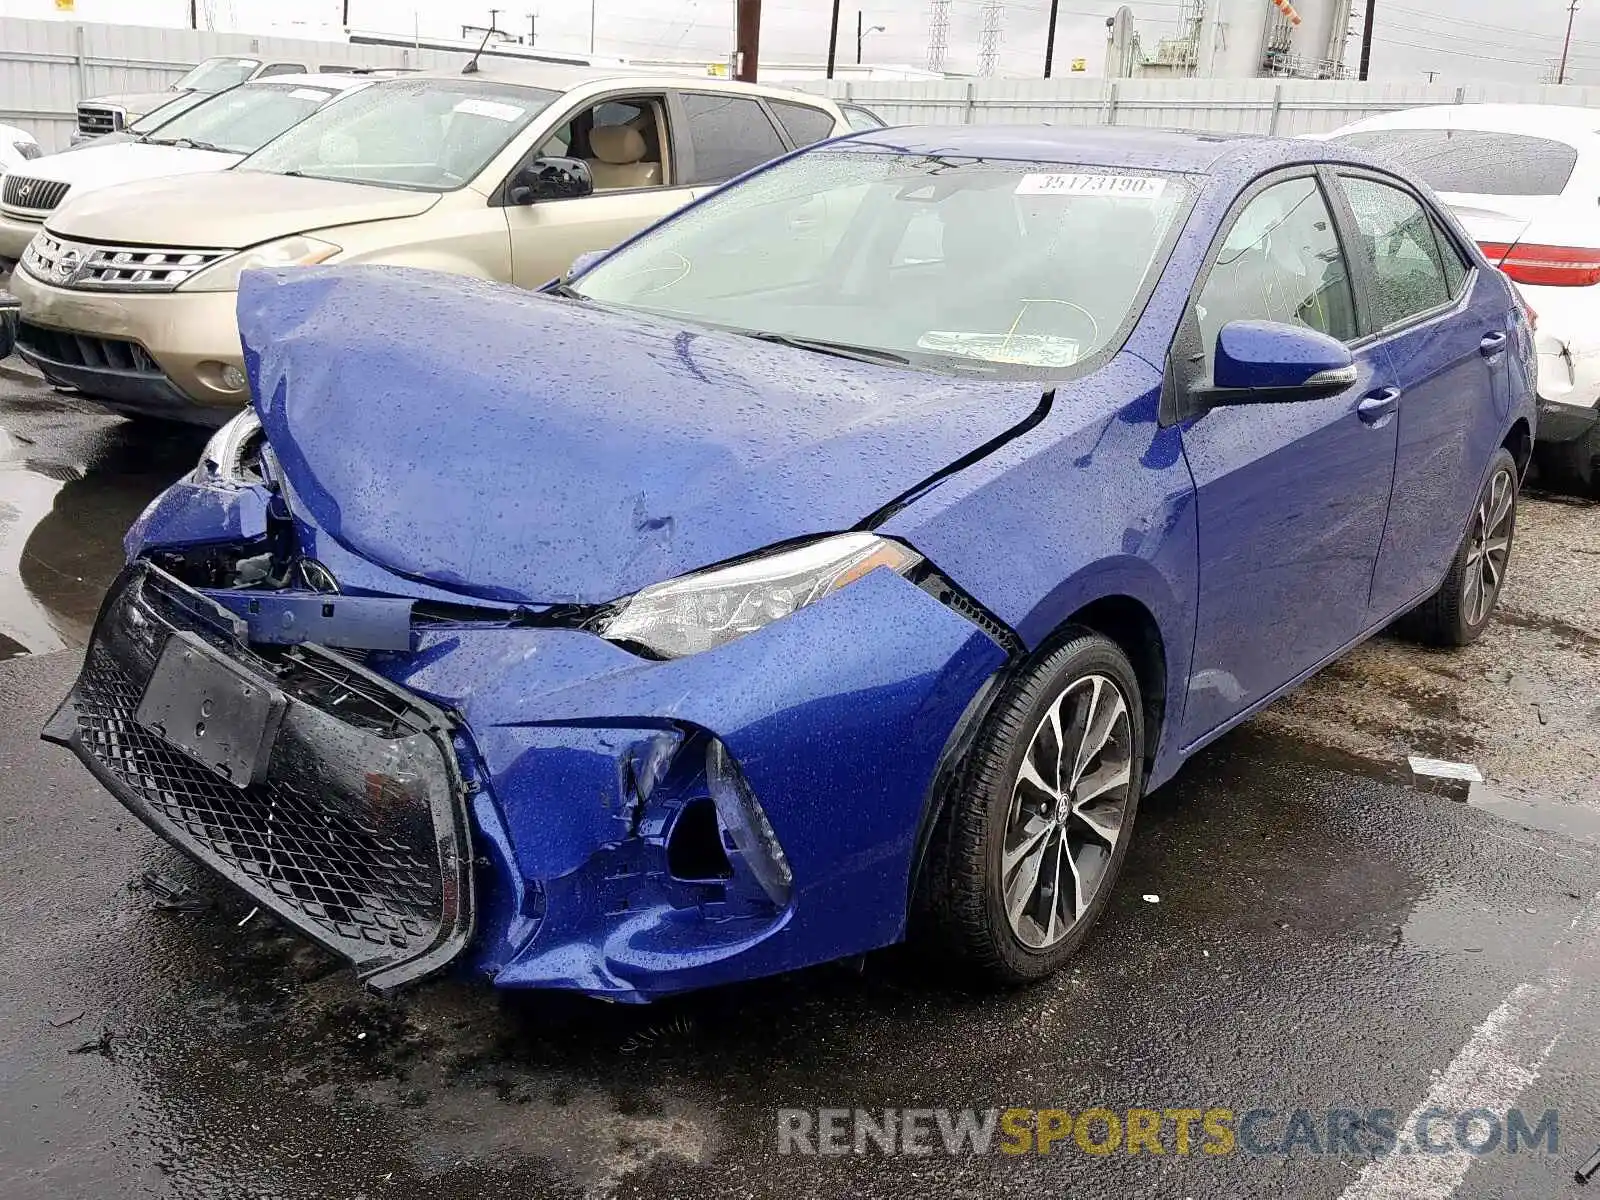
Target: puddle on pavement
71,482
1572,821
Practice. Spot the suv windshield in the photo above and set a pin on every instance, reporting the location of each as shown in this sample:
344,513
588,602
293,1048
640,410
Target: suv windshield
245,118
426,134
217,74
159,116
960,265
1475,161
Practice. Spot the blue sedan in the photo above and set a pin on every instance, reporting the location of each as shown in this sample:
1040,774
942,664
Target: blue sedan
836,562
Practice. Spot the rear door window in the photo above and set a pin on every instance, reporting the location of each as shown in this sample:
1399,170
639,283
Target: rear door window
1396,237
801,122
729,134
1455,267
1474,160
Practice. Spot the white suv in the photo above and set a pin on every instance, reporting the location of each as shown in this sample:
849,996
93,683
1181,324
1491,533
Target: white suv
1524,179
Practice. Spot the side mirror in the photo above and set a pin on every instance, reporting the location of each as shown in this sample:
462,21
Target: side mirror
584,261
551,179
1265,362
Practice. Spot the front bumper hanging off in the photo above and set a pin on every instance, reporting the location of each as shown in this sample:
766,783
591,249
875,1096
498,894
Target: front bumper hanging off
353,828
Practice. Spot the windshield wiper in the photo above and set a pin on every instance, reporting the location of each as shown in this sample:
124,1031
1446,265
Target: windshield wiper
565,290
823,346
191,144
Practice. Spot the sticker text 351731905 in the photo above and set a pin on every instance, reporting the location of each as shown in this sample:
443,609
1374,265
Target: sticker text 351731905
1142,187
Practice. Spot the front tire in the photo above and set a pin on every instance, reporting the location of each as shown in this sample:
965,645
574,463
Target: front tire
1036,826
1459,612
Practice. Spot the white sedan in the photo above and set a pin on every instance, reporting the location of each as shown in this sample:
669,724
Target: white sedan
1524,180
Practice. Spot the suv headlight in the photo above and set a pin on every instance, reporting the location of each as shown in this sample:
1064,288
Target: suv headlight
711,608
285,252
233,454
29,149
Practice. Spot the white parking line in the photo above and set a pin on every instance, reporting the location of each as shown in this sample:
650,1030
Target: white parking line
1499,1061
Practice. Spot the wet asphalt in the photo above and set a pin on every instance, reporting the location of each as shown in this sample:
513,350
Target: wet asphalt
1322,934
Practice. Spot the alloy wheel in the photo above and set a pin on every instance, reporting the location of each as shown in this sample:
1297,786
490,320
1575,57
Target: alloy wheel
1488,547
1067,811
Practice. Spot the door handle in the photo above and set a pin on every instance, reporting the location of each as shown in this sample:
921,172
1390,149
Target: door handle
1379,406
1493,343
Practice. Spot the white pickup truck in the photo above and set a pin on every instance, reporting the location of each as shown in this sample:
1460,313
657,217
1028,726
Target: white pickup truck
101,115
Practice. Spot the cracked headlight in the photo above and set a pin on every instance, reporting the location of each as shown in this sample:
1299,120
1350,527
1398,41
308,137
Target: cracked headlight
233,455
710,608
285,252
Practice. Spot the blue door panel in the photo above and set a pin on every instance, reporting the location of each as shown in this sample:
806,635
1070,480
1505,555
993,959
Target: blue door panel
1451,416
1291,500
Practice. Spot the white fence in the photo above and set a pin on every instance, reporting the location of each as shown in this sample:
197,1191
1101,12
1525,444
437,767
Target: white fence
1284,107
46,67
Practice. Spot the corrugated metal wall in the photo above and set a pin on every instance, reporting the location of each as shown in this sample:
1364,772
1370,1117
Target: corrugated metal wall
46,67
1284,107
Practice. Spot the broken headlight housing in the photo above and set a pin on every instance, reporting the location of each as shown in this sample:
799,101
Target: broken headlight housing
711,608
233,455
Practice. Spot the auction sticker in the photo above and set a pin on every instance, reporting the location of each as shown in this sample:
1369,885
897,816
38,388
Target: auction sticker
1142,186
489,108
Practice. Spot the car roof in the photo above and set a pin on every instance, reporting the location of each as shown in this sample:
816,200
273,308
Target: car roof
333,80
1152,149
563,78
1560,120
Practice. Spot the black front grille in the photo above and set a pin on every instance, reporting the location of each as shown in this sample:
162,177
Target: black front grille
35,195
85,350
357,834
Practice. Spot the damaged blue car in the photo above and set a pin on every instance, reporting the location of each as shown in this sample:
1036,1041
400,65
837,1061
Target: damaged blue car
839,560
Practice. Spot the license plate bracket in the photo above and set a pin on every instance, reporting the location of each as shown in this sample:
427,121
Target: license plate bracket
204,705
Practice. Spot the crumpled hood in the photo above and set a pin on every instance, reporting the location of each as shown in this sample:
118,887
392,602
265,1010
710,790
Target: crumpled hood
520,447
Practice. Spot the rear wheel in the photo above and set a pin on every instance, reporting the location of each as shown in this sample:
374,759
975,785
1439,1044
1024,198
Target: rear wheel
1459,612
1037,825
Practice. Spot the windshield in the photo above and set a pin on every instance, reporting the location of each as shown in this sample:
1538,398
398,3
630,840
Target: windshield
245,118
157,117
1475,161
217,74
426,134
952,264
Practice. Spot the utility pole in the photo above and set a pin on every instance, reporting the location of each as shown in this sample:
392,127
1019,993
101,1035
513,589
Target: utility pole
194,14
833,38
533,28
1561,71
747,38
1366,39
1050,39
347,16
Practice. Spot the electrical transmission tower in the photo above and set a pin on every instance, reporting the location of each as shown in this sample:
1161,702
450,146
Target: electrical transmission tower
938,33
989,37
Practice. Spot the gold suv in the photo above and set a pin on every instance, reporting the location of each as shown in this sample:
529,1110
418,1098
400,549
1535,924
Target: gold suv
127,294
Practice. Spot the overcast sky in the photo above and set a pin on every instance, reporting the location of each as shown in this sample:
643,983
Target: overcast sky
1462,40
